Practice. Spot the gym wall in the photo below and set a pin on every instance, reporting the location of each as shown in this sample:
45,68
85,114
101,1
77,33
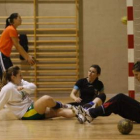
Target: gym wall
102,36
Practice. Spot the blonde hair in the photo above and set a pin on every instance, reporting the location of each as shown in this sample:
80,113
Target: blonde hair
14,70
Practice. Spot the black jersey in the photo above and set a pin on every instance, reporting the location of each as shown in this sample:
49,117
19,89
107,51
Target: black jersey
88,91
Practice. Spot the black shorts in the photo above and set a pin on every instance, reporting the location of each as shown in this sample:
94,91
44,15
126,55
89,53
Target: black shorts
5,63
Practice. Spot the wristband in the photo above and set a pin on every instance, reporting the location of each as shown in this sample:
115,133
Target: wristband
91,103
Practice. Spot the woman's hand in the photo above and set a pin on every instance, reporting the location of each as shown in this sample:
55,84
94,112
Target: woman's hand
31,60
19,88
78,99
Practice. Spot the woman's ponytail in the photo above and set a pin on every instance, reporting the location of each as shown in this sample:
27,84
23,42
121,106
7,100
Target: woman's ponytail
10,19
7,22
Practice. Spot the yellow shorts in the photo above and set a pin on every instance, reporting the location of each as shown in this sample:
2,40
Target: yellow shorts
31,114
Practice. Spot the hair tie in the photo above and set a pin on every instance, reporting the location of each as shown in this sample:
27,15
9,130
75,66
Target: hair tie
9,20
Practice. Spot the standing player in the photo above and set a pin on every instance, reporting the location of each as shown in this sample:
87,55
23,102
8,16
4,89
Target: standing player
9,37
120,104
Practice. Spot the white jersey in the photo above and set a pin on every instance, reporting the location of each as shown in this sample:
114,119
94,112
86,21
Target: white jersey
17,101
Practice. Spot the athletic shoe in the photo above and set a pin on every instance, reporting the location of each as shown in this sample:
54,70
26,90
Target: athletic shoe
81,118
78,112
75,110
84,115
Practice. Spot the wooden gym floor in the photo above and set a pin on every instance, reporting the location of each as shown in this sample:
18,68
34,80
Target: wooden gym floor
102,128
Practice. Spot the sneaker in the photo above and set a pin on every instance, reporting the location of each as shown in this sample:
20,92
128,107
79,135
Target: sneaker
89,119
78,112
81,118
69,106
75,110
84,115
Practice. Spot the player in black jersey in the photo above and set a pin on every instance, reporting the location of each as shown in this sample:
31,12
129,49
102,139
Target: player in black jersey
90,89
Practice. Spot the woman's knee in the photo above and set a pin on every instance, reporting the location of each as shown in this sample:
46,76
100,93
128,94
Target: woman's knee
43,102
102,97
47,98
120,95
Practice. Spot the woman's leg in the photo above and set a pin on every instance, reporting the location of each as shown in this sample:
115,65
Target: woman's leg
45,101
120,104
5,63
47,105
62,112
100,99
74,103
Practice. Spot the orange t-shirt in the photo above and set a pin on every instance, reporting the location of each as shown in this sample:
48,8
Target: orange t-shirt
6,42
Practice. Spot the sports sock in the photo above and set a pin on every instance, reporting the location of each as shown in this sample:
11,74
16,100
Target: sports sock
58,105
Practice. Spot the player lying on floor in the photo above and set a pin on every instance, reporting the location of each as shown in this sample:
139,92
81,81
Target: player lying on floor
15,95
120,104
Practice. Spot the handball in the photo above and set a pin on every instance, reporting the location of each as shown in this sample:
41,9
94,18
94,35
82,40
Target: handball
125,126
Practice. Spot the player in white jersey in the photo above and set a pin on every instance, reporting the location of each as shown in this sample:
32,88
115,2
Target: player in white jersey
15,94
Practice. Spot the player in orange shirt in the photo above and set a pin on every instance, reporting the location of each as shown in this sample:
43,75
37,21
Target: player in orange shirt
9,38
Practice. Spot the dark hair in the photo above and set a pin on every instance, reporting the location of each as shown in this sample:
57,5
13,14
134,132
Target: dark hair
10,19
97,67
14,70
136,66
